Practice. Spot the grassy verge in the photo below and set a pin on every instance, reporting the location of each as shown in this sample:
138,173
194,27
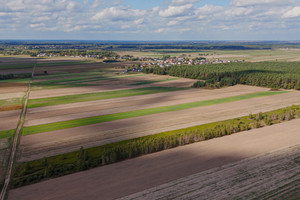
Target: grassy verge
34,171
138,113
97,96
149,82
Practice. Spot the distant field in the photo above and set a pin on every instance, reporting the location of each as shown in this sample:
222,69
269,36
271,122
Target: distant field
289,55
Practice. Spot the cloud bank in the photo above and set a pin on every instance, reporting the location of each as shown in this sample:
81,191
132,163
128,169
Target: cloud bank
173,19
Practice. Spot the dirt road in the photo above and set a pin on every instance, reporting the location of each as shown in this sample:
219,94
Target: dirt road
135,175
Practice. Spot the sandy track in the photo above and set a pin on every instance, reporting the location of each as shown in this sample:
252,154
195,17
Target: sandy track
261,176
50,114
61,141
9,119
131,176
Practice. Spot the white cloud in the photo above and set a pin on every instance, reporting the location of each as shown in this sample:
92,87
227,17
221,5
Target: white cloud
183,2
243,3
116,14
295,12
176,11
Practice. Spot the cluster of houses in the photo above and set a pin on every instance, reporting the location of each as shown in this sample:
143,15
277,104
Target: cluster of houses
165,62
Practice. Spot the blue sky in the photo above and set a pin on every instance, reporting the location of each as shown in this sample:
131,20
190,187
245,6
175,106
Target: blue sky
150,20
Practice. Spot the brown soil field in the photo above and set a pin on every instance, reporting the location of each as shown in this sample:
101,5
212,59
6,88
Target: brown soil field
109,85
132,80
11,90
36,94
268,176
135,175
67,140
11,95
77,68
7,108
9,119
50,114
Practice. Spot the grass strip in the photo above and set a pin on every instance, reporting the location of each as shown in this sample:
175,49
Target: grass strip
33,103
34,171
149,82
7,133
137,113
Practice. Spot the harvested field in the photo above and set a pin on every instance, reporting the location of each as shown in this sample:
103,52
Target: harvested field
67,140
9,119
50,114
269,176
135,175
12,89
107,85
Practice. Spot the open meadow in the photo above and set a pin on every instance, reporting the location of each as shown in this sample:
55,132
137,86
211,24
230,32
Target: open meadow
82,113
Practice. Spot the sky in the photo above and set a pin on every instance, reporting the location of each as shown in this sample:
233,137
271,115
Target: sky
150,20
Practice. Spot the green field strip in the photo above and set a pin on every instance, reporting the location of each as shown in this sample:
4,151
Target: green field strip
138,113
6,134
97,96
10,102
149,82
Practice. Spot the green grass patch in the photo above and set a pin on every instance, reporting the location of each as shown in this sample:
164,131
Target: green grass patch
6,134
33,103
10,102
149,82
138,113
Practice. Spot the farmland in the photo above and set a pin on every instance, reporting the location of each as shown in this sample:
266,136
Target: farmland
143,173
80,112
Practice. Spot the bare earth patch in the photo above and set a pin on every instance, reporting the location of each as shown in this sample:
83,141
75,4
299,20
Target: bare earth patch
9,119
67,140
135,175
265,176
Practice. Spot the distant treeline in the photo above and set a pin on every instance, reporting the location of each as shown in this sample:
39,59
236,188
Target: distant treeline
144,45
34,171
70,52
14,76
266,74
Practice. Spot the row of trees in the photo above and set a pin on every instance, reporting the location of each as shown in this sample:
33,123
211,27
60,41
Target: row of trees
14,76
34,171
70,52
267,74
